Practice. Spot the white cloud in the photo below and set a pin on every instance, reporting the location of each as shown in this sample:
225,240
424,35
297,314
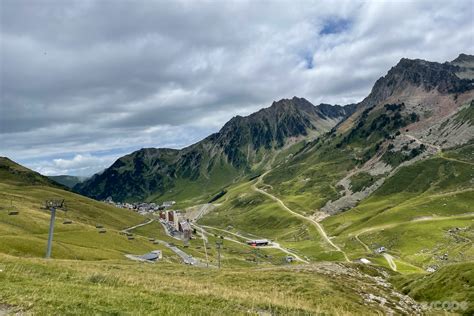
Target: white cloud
82,165
121,76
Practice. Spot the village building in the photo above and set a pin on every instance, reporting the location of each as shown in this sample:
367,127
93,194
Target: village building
258,242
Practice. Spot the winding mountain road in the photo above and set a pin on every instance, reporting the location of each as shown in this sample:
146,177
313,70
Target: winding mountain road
318,226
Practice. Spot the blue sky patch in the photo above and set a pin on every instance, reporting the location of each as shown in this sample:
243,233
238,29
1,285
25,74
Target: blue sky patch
335,25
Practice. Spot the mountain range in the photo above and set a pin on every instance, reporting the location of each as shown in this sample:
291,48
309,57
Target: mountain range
415,95
243,146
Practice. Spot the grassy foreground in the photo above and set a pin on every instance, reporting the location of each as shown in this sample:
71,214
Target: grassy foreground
39,286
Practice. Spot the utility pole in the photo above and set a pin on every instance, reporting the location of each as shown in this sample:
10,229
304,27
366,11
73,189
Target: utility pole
52,205
218,246
205,247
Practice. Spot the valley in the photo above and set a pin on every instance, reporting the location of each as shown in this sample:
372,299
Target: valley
360,209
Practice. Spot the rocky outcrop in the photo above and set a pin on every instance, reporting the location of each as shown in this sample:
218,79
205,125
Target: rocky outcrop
422,74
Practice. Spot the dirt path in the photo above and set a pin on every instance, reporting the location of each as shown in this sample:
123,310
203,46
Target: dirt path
277,246
226,231
320,229
438,149
362,243
203,210
390,261
419,219
136,226
456,160
418,141
389,257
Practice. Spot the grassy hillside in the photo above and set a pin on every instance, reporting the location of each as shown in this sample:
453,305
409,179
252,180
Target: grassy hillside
450,283
429,202
11,172
25,234
116,287
68,181
308,181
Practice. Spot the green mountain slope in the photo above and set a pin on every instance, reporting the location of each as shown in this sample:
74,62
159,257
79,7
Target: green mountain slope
420,214
449,284
25,234
11,172
72,287
243,146
68,181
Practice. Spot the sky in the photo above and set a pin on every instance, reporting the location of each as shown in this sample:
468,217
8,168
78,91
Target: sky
85,82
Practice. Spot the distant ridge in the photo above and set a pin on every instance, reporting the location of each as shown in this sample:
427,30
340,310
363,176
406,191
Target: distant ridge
243,145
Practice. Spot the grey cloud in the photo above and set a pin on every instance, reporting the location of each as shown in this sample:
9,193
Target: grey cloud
78,77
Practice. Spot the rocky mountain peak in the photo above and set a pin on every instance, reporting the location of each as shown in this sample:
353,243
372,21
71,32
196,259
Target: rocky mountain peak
463,58
419,74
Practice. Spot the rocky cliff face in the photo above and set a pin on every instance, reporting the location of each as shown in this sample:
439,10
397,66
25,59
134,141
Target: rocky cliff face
242,143
422,74
270,128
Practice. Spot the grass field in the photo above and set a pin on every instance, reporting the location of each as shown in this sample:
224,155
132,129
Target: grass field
38,286
25,234
451,283
309,180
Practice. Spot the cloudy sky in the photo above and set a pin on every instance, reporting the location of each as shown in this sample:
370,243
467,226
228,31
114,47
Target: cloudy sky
84,82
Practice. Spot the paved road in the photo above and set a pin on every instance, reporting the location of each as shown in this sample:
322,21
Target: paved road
387,257
320,229
277,246
187,259
229,232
